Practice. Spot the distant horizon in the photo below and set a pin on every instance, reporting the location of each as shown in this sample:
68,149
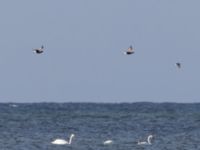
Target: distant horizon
91,102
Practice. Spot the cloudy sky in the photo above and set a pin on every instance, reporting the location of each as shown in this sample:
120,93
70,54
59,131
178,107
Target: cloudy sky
84,42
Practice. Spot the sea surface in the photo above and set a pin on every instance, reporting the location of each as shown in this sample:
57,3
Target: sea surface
26,126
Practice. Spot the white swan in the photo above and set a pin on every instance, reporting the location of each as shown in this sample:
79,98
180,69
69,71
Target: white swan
148,142
62,141
107,142
13,105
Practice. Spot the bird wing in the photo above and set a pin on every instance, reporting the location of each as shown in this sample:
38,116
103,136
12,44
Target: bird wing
130,49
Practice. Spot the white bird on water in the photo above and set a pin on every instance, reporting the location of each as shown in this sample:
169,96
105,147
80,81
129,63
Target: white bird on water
107,142
62,141
13,105
148,142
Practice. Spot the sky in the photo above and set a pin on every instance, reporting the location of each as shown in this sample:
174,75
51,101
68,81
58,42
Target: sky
84,42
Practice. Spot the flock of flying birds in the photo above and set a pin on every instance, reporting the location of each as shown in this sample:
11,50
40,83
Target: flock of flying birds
129,51
107,142
40,50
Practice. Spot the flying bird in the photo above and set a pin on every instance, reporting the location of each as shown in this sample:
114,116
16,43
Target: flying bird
39,50
62,141
129,51
178,65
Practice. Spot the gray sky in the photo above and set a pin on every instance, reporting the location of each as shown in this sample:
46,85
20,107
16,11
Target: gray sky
84,43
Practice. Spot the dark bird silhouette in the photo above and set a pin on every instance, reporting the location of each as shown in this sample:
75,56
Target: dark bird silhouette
178,65
129,51
39,50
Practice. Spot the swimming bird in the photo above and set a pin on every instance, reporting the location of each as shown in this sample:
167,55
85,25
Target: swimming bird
39,50
62,141
178,64
148,142
129,51
107,142
13,105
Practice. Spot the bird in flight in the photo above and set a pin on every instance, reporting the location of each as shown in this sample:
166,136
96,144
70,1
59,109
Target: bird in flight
178,64
129,51
39,50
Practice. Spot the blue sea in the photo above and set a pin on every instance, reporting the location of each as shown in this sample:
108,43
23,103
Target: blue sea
33,126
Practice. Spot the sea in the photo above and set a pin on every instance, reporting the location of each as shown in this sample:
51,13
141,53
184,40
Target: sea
33,126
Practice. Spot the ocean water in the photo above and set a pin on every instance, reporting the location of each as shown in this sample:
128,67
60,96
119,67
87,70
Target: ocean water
34,126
